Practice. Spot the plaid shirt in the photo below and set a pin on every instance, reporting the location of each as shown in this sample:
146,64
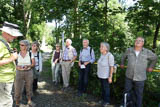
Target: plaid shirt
66,52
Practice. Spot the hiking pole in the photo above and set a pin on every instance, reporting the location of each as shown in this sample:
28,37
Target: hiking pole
125,100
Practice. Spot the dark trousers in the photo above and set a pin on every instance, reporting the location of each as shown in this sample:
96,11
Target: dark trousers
137,88
35,84
83,79
105,90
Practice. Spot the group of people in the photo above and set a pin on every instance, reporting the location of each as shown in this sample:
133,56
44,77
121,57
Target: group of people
19,71
137,57
23,68
66,57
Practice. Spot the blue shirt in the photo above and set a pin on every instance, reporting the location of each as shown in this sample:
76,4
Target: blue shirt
66,51
86,56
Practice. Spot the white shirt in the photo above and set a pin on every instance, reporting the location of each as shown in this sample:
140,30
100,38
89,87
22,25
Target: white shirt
137,53
38,61
104,62
26,60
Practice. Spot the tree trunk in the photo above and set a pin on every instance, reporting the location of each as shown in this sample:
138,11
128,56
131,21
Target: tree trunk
75,27
106,18
156,36
27,16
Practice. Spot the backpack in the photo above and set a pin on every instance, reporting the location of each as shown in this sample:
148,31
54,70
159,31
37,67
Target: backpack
114,67
6,44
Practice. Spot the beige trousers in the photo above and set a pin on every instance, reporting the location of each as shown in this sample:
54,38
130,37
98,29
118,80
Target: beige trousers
23,77
66,69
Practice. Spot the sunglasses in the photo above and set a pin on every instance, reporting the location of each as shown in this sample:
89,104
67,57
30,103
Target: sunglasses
22,45
34,45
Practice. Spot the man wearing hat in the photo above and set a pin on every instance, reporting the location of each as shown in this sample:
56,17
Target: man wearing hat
7,63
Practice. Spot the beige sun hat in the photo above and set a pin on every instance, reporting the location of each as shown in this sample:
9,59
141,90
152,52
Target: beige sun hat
11,29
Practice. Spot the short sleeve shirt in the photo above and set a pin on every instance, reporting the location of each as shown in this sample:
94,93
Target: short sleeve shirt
7,71
104,62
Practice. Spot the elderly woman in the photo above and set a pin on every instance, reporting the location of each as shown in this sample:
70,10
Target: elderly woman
55,61
105,70
24,73
38,64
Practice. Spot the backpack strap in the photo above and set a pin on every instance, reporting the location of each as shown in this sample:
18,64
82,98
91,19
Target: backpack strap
6,44
38,55
91,52
30,55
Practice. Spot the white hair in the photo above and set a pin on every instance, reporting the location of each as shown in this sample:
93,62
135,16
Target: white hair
86,40
141,38
69,40
106,45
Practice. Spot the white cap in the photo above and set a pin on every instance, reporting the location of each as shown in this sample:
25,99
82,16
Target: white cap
11,29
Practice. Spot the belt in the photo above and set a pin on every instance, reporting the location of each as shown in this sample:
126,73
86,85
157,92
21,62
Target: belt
25,70
83,61
66,60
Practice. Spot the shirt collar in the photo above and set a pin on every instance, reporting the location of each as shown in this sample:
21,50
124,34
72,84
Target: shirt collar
68,47
87,48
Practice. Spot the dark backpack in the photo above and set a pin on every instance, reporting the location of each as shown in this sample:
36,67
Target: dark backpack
6,44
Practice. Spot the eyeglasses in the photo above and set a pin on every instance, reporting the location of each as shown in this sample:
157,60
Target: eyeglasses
139,41
22,45
34,45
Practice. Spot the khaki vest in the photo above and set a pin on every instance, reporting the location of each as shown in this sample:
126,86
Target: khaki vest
70,52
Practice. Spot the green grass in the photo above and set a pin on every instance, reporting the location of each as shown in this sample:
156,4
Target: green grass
47,68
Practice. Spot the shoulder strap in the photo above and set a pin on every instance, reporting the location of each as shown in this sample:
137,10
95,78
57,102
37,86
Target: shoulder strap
91,51
6,44
38,55
16,61
30,55
108,58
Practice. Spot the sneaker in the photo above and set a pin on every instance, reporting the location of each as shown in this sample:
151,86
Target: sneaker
79,94
100,102
121,105
56,84
105,104
17,105
31,104
64,89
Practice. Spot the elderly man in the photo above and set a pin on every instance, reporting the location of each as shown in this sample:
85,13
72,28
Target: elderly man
68,57
7,66
138,58
86,58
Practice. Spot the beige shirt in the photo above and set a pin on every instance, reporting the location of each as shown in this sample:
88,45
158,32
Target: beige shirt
26,60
